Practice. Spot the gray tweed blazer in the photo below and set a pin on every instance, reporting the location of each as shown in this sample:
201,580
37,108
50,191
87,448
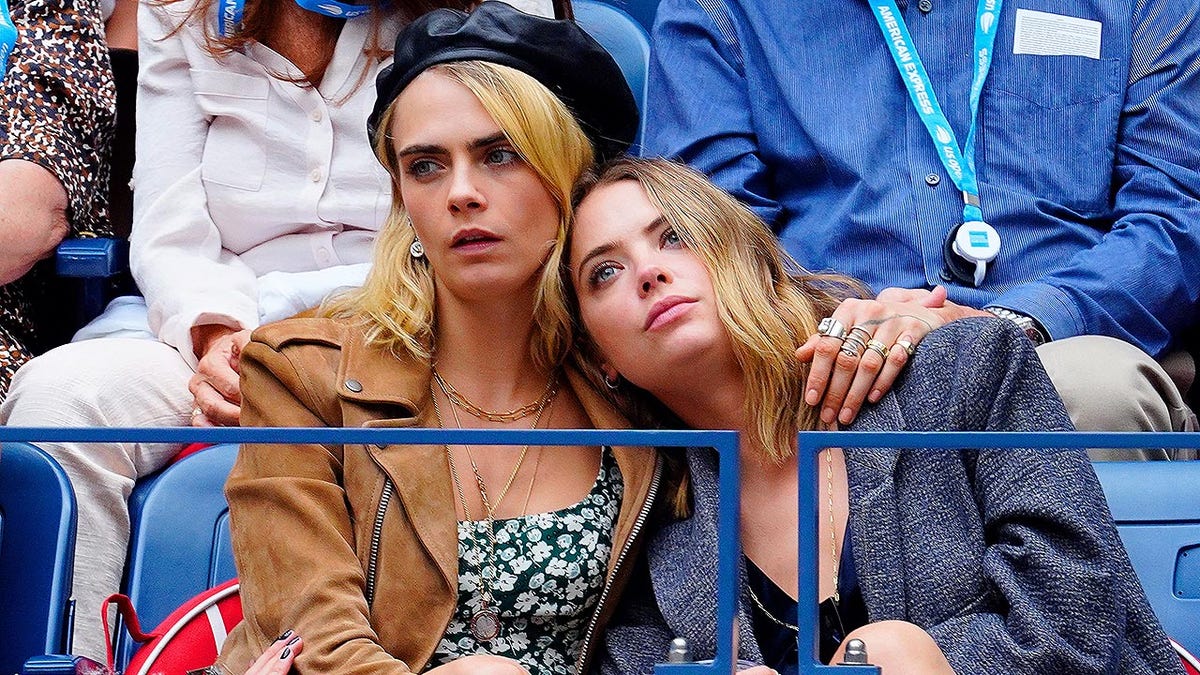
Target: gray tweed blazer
1008,558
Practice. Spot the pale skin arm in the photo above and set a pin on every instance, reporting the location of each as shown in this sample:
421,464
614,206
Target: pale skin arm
33,216
840,383
120,32
216,384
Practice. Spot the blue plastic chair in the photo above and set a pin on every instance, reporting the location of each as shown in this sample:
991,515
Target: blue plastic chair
1157,509
37,550
179,543
628,43
641,10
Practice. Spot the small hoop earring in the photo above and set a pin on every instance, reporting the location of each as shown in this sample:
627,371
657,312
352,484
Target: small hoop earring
612,384
416,249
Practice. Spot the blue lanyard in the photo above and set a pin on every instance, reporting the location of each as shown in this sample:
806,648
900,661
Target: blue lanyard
8,37
229,16
959,164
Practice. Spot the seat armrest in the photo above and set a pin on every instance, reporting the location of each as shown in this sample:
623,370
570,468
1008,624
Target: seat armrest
58,664
95,258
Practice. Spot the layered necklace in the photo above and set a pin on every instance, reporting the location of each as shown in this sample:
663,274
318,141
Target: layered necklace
833,551
485,622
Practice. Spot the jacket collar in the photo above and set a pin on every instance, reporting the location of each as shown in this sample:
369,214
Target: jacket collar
373,374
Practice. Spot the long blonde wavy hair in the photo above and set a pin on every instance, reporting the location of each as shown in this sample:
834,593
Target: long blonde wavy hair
766,301
396,302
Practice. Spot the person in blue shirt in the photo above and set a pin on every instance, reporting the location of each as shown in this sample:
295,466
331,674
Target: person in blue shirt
1080,151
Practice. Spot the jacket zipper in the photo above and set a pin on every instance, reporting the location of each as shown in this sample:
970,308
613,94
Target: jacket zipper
604,594
376,535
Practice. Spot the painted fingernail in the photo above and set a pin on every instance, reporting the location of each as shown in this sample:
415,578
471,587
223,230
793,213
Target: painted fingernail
827,415
285,636
286,653
293,641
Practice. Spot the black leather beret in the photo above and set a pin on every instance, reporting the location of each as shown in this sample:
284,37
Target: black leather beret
557,53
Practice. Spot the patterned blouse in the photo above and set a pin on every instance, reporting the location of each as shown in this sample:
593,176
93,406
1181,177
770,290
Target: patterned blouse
551,571
57,108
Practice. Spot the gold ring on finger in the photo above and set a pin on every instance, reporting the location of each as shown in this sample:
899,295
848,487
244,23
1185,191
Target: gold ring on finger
878,347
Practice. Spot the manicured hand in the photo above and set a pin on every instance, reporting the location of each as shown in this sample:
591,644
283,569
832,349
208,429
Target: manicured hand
839,382
278,658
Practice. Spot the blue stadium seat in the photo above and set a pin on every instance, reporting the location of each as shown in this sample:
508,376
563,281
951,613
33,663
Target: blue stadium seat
37,548
179,543
641,10
1157,509
628,43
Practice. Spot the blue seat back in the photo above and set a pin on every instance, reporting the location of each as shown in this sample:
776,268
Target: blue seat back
626,40
179,541
37,550
642,11
1157,509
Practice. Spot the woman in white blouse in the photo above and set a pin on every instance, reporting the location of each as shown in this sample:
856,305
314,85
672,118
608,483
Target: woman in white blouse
256,194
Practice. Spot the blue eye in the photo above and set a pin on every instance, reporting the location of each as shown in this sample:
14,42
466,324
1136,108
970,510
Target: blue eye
502,156
670,239
602,273
422,168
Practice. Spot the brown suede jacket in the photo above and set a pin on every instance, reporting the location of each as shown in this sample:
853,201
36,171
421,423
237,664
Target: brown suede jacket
370,588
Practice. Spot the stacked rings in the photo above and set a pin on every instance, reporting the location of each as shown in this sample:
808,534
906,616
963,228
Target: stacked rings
853,345
866,334
878,347
831,327
856,341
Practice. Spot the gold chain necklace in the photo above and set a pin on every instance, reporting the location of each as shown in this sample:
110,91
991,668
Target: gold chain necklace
459,401
832,550
485,622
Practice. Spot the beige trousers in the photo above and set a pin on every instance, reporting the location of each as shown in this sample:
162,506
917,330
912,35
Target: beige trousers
1110,385
110,382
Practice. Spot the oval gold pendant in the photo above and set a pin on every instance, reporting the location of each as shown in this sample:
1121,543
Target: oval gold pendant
485,624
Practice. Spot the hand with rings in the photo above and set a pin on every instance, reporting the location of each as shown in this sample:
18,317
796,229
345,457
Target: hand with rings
215,386
850,367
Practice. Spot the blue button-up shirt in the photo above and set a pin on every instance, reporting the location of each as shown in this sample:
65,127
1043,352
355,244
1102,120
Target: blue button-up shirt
1089,168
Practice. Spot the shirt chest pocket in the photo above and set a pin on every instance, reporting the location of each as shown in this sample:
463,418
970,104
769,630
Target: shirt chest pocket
235,150
1050,127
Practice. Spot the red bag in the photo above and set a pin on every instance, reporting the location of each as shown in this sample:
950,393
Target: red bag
189,639
1191,665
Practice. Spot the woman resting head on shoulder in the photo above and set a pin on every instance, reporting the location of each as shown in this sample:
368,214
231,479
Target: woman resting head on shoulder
447,559
942,561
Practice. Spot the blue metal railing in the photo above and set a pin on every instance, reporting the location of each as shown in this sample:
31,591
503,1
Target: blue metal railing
724,442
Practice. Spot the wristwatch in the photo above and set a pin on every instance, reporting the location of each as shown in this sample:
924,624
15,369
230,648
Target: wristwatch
1028,325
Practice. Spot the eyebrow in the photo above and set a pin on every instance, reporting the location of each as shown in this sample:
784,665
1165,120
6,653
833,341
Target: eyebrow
429,149
610,246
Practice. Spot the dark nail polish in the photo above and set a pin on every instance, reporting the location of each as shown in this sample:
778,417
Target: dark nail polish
293,641
285,636
286,653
